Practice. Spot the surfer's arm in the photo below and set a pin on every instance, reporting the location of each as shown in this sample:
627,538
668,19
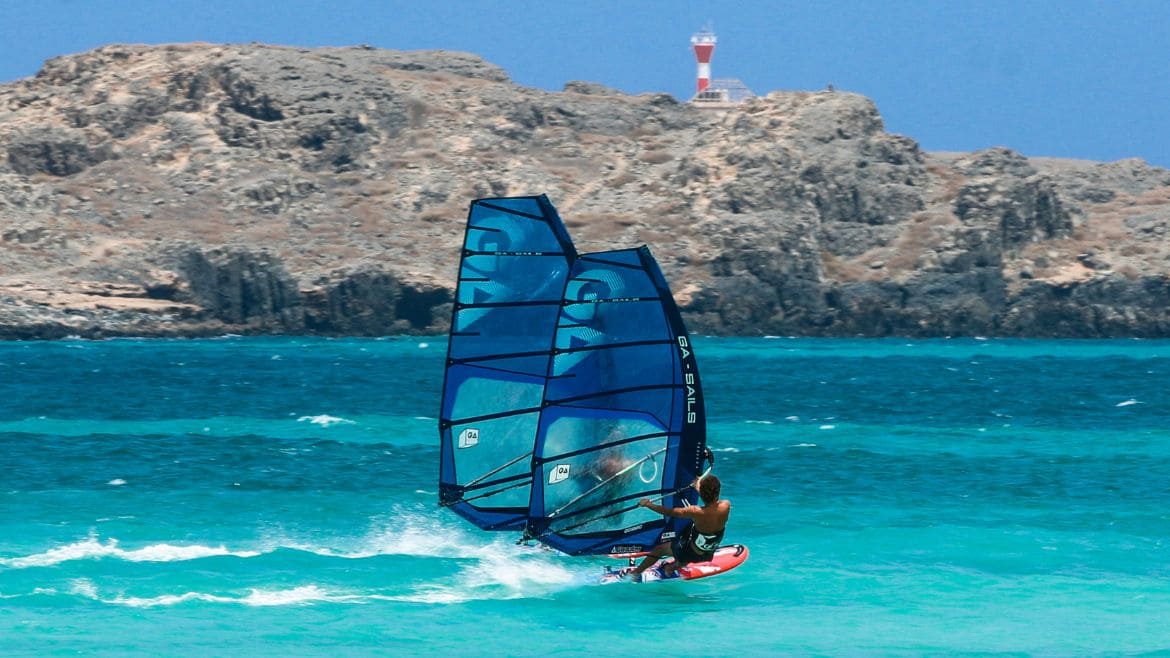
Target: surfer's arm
677,512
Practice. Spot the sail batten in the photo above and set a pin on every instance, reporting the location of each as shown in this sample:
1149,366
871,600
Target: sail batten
504,304
565,455
613,391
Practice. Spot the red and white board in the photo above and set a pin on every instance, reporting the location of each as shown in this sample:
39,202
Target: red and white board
726,558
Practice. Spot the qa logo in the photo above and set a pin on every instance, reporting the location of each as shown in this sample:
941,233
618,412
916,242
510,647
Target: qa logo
559,473
468,437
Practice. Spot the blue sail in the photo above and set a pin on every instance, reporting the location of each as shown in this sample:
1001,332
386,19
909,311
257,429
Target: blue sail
623,411
515,261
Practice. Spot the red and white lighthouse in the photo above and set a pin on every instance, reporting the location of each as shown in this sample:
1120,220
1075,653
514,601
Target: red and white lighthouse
703,43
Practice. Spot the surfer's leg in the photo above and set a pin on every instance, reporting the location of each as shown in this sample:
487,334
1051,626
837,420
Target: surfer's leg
652,557
669,568
683,554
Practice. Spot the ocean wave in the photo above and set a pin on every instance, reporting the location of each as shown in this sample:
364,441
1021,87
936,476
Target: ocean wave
408,533
398,430
1128,402
254,598
499,582
92,548
477,566
325,420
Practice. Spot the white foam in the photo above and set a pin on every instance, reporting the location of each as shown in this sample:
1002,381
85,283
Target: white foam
1128,403
501,573
487,570
725,450
167,599
418,535
304,594
804,445
827,427
424,345
116,482
792,419
255,598
759,422
481,566
92,548
404,532
83,587
325,420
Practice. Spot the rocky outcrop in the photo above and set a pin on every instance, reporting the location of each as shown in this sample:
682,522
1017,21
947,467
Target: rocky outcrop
369,302
54,152
242,289
201,189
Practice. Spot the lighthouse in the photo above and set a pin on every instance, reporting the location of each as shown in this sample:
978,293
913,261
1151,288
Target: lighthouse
713,93
703,43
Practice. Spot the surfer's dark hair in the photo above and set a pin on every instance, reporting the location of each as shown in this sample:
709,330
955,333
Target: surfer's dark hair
709,488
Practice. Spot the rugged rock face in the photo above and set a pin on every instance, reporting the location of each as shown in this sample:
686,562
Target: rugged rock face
242,289
203,189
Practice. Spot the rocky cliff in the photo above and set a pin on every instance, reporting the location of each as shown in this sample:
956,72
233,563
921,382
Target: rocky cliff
202,189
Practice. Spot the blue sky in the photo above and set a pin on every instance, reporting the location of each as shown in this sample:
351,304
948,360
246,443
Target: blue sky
1072,78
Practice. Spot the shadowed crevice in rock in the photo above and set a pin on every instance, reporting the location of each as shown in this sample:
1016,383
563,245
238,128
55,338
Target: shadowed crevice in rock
368,302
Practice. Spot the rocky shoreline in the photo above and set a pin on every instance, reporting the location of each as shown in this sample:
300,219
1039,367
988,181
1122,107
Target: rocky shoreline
198,190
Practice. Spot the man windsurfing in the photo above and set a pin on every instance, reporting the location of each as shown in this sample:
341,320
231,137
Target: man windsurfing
699,540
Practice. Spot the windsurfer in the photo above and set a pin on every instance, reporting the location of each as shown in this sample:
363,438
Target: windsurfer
612,463
698,541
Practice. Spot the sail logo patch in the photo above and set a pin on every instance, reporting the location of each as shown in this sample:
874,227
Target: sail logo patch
560,473
468,437
689,378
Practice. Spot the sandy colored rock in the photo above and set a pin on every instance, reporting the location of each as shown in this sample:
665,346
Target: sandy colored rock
193,189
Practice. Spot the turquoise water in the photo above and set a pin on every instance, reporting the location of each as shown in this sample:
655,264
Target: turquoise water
278,497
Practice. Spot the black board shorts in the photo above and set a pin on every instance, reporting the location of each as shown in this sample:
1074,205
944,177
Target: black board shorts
684,551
